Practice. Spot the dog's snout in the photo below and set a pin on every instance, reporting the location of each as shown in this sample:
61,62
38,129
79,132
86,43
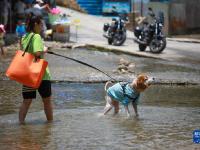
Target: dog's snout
150,80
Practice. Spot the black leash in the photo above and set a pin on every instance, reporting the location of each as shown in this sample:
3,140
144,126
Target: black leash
81,62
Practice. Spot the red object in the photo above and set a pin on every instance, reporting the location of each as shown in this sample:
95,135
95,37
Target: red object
26,70
2,28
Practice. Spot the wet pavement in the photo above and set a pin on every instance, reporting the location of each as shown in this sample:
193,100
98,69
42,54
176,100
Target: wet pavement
163,70
182,70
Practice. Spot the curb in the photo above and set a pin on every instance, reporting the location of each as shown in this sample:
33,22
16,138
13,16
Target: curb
159,82
114,50
184,40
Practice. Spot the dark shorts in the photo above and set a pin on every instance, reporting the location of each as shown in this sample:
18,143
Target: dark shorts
44,90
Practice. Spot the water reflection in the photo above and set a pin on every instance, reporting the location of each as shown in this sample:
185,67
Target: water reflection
33,137
168,116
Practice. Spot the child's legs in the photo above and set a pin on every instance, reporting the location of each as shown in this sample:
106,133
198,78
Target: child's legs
45,93
48,108
24,109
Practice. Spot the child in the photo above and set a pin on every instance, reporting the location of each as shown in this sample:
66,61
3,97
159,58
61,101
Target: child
2,32
20,29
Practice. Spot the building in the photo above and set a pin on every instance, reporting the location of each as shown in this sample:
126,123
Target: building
178,15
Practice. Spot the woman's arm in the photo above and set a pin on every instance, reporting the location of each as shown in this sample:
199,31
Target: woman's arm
38,46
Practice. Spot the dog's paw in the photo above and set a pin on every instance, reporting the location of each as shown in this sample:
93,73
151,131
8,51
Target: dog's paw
128,116
136,116
100,115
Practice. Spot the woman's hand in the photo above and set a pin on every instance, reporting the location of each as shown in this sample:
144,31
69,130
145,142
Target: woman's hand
38,54
45,49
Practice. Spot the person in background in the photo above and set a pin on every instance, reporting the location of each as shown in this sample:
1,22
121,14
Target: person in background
20,29
37,49
2,32
42,6
19,9
4,9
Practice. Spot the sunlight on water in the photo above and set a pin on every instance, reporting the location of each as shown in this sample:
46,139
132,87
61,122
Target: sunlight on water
168,116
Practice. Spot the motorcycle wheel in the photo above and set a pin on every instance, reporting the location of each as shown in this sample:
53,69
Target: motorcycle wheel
110,41
119,39
157,46
142,47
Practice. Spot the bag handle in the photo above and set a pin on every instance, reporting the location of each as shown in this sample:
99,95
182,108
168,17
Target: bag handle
29,43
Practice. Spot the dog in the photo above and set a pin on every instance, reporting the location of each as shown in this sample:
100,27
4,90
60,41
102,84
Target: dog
125,93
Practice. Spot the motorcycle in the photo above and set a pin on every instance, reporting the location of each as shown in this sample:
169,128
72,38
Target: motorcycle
116,31
151,34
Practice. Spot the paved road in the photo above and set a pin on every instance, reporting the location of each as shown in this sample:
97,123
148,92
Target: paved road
180,54
90,32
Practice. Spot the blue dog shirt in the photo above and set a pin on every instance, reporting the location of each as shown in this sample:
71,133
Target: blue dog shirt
124,96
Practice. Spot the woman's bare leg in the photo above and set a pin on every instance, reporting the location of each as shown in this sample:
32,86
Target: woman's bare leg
48,108
24,109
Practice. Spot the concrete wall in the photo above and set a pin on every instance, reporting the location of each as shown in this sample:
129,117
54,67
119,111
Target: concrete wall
184,16
181,16
192,8
177,18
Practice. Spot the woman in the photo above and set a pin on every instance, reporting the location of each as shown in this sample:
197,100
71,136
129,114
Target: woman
36,48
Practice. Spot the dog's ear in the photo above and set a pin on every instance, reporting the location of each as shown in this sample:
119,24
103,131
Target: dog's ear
142,78
141,85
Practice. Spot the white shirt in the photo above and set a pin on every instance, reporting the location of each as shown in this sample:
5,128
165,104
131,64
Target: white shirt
37,6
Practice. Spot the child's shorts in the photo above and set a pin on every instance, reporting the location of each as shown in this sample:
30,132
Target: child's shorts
44,90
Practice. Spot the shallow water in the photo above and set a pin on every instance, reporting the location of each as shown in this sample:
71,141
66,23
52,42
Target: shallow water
168,116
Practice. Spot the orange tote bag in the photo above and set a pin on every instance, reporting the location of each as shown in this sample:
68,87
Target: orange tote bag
26,69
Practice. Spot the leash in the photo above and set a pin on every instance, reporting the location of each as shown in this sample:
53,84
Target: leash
81,62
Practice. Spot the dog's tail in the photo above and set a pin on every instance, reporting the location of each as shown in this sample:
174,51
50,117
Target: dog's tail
107,85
